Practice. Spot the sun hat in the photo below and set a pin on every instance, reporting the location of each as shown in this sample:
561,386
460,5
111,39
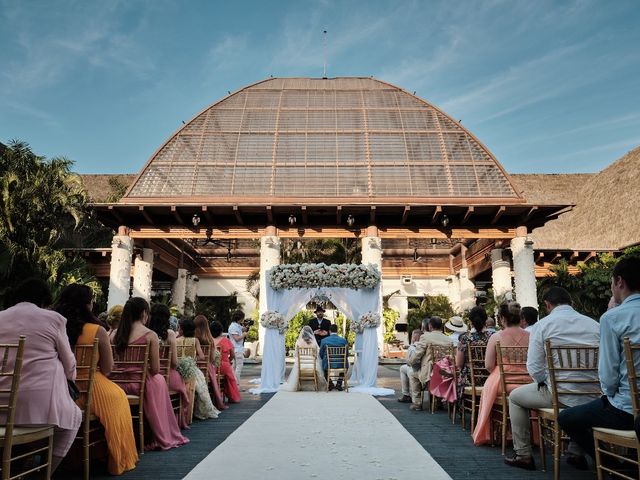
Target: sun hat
456,324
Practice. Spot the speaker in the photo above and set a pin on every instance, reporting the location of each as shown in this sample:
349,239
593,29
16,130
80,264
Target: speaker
406,279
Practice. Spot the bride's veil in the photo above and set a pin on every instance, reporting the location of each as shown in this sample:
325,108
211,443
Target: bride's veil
307,337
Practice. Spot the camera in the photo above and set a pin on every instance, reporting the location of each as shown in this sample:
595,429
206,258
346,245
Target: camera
247,323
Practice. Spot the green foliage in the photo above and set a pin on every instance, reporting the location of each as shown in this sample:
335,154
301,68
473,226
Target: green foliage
217,308
295,325
345,331
118,189
252,333
390,318
428,306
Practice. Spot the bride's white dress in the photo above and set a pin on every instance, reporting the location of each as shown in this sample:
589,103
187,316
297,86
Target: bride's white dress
291,385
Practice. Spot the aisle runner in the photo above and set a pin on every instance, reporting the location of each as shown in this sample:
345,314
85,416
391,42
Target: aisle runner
299,435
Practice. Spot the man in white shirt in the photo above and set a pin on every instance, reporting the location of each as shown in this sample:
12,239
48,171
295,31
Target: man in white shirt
562,326
407,371
237,334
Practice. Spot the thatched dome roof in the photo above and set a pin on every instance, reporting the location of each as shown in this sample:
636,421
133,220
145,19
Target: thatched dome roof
606,215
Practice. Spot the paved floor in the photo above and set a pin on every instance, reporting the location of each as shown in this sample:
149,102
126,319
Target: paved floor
448,444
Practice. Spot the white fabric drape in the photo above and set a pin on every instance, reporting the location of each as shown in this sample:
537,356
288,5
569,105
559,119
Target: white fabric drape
273,367
367,368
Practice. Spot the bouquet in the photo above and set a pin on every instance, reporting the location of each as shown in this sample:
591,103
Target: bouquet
217,357
366,320
273,320
187,367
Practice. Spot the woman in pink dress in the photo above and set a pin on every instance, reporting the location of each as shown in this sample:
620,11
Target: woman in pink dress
48,361
226,350
159,323
203,334
157,404
510,336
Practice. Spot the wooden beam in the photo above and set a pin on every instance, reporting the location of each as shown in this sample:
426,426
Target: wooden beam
116,214
467,214
176,215
590,256
372,215
338,214
305,215
405,215
539,257
574,255
207,216
436,214
236,212
269,214
146,215
529,214
498,214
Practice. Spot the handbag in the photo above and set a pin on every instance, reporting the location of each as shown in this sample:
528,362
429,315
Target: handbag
74,391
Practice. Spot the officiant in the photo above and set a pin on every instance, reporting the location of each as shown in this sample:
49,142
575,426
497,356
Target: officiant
320,325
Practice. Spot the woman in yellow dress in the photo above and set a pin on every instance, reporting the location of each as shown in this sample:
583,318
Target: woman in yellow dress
109,402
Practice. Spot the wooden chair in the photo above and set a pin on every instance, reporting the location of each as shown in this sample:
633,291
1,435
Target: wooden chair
91,431
131,367
165,369
337,356
440,352
470,400
621,439
307,365
10,435
580,362
203,365
220,376
512,365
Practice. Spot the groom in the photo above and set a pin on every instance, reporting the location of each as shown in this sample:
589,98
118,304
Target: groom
333,340
320,325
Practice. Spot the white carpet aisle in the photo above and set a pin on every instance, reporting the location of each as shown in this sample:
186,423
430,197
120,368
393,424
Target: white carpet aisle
299,435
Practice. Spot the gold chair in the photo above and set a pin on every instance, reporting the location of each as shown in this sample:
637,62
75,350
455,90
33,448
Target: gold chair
623,439
10,435
337,356
91,431
512,365
569,366
470,400
440,352
130,367
203,364
307,365
165,370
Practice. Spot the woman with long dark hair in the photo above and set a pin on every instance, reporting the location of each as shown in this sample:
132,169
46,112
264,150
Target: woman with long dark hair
203,334
157,404
109,402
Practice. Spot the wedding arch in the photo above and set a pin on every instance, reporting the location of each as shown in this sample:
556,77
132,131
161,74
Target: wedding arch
354,289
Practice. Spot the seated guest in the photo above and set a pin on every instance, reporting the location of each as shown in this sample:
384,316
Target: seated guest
479,336
227,355
203,334
490,325
406,371
48,362
562,326
159,323
113,317
157,404
189,346
109,402
455,327
511,335
528,318
333,340
423,356
614,409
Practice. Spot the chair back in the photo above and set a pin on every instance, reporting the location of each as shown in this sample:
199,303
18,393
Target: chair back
86,366
165,362
475,360
512,362
632,356
336,358
10,371
130,366
444,351
186,347
307,358
203,365
573,373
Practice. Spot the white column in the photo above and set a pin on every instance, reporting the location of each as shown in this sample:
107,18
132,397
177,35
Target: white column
120,273
454,292
524,269
179,290
500,275
372,254
142,274
191,291
467,290
269,257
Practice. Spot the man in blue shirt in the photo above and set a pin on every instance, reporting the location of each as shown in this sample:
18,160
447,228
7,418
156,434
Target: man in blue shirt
333,340
613,409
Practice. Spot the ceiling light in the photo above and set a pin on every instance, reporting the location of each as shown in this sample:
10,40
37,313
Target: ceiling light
445,221
351,220
292,219
195,220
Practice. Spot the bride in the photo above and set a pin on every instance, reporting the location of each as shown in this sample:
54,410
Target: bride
306,339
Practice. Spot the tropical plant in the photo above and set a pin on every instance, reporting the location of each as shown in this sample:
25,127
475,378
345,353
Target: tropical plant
390,317
427,306
300,319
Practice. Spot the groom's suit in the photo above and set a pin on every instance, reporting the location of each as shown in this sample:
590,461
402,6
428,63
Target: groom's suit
322,325
333,340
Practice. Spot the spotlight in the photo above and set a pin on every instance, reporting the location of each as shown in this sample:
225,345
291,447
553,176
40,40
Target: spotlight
292,220
195,220
445,221
351,220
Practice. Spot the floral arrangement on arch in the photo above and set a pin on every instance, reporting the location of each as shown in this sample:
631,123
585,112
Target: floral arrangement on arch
311,275
273,320
366,320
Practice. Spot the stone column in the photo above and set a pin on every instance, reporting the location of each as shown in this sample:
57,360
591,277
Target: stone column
454,291
179,290
467,287
524,269
500,275
191,291
120,273
269,257
372,254
142,274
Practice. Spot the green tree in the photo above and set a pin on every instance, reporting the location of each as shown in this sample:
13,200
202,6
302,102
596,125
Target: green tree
428,306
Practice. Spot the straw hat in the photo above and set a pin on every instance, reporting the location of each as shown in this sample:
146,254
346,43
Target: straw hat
456,324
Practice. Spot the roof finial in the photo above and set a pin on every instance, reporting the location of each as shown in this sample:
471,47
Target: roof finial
324,53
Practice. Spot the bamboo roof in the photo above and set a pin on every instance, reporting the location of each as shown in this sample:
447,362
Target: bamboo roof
360,140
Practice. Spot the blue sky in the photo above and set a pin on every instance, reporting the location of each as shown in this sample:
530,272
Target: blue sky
547,86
